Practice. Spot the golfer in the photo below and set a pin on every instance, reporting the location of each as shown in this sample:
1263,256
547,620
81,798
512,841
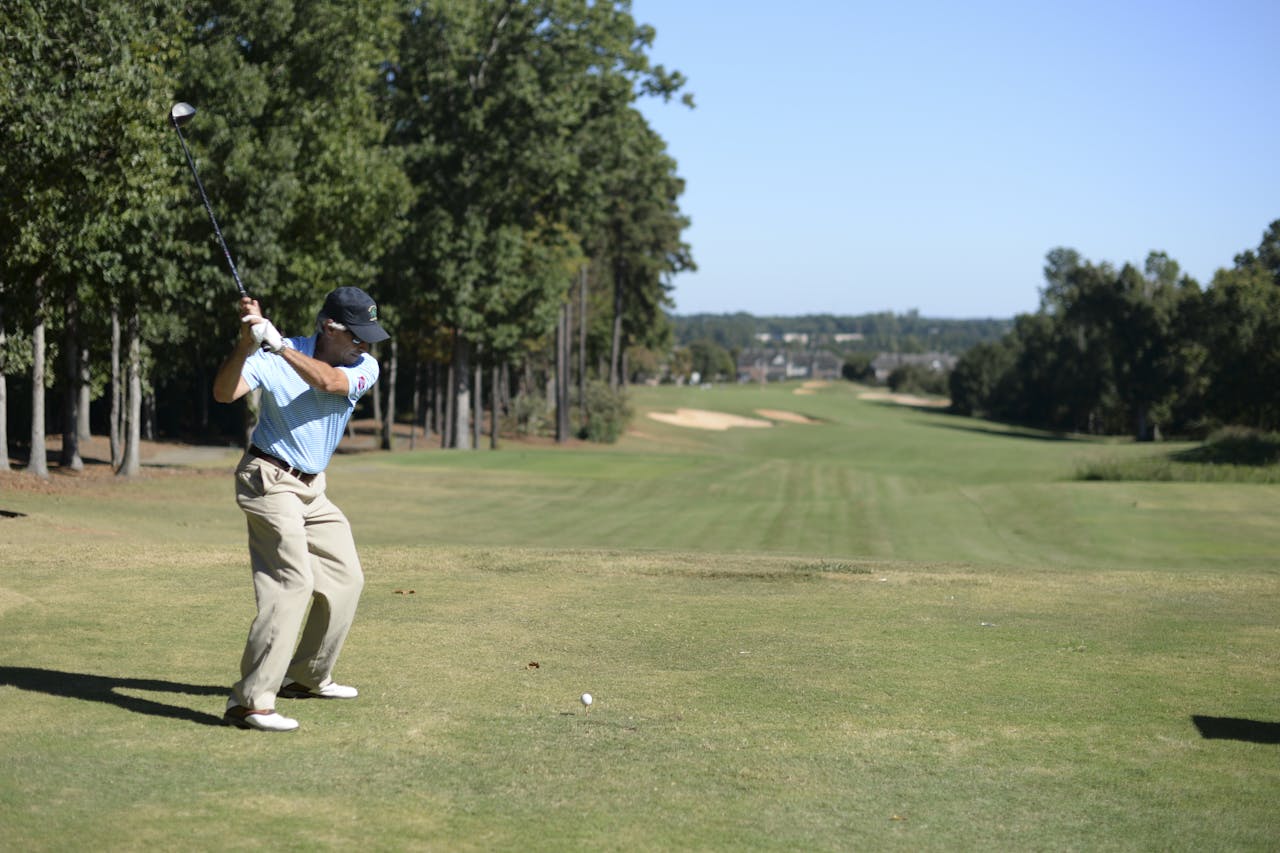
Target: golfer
300,544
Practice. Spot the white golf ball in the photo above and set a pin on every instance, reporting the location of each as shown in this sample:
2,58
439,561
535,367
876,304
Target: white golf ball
586,699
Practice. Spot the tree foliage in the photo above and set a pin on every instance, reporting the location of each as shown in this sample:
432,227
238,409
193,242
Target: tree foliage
1142,352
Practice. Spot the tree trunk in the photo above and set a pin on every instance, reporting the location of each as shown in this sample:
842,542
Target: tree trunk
494,404
448,403
149,413
562,376
1140,423
438,374
505,384
131,461
4,393
205,390
417,403
117,452
377,410
38,464
477,414
389,422
83,428
70,457
582,346
615,350
461,393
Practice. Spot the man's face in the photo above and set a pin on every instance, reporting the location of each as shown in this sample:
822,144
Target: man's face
340,347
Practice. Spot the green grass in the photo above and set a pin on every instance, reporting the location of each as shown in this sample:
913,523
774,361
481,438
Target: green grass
890,630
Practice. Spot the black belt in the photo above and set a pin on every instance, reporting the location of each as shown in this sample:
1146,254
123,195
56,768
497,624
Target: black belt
282,465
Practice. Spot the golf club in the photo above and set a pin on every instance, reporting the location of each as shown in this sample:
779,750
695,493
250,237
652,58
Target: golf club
179,115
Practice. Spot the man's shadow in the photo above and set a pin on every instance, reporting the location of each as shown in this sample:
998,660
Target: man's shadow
1231,728
103,688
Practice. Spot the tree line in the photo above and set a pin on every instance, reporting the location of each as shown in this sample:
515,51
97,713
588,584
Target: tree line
882,331
479,166
1145,352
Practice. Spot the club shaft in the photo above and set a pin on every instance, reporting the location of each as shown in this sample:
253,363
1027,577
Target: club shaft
205,198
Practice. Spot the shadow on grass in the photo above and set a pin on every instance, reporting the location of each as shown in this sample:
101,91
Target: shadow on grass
1234,447
1009,432
1230,728
103,688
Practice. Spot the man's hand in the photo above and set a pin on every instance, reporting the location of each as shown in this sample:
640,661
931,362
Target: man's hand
264,333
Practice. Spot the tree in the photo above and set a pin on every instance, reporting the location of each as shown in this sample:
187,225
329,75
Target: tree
712,361
80,165
977,376
492,103
639,233
291,143
1241,328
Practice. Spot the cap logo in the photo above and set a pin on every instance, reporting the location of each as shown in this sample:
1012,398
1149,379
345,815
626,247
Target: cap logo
373,312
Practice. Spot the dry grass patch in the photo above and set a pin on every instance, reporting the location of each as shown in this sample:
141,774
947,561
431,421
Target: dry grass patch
904,399
788,417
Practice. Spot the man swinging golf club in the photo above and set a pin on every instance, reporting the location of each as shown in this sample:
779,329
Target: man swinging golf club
300,544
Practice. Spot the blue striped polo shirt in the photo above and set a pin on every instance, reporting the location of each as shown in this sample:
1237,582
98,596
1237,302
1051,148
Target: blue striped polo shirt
296,422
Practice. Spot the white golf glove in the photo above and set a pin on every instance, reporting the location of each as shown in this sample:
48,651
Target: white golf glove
265,334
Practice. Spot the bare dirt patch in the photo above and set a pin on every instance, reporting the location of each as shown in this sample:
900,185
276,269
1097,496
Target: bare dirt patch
788,417
905,399
704,419
811,387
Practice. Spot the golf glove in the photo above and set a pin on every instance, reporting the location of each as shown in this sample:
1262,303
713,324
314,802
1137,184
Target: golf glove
266,335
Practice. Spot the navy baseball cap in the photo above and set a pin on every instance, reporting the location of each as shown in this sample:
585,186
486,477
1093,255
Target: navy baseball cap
356,310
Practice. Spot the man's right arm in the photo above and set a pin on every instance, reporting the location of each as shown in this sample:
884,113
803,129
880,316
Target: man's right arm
229,384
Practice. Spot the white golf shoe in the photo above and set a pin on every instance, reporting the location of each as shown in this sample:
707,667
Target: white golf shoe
328,690
263,720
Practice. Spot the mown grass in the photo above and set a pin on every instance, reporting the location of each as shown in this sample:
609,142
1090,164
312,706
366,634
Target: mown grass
903,682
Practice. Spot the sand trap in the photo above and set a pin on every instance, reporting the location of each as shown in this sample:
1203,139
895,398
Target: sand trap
703,419
904,399
789,417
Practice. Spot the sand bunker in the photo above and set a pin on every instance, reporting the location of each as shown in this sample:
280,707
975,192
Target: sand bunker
703,419
904,399
789,417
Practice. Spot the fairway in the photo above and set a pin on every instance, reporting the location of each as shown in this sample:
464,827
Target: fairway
883,628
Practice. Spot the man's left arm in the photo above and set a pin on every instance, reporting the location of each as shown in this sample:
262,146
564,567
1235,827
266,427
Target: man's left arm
318,374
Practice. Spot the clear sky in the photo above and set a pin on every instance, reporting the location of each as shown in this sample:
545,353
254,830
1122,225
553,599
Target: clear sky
851,157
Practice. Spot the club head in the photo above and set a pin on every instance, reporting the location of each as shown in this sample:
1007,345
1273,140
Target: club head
181,113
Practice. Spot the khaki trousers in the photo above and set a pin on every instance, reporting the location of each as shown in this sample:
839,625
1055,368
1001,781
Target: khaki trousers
302,552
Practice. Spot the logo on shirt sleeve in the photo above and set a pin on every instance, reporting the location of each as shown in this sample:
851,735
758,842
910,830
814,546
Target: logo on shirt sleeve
361,384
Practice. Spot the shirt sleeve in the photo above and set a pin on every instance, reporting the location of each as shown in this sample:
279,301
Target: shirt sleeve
252,370
361,376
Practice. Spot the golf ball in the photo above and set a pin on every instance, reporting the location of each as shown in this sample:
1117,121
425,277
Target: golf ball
586,699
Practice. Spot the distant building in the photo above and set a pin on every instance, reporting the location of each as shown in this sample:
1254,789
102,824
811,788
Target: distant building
887,362
773,365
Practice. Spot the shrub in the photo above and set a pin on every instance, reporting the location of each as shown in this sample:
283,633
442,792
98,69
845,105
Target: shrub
858,367
1231,455
918,379
529,414
607,413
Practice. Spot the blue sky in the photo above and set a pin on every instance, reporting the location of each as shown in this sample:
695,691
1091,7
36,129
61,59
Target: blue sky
851,157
